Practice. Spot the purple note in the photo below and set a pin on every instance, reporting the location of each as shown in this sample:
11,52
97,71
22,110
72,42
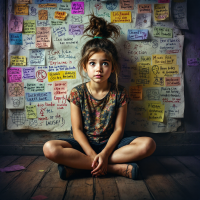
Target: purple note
15,24
14,74
28,72
12,168
39,197
192,62
163,1
76,29
77,7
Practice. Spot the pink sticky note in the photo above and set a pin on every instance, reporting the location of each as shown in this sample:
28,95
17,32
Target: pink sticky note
77,7
14,74
16,89
59,88
12,168
172,81
163,1
39,197
126,5
15,24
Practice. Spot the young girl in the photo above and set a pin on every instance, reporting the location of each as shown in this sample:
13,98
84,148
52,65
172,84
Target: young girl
98,115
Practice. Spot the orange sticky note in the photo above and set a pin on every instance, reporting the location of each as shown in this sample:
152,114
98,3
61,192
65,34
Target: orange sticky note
126,4
47,5
144,8
172,81
43,37
135,92
42,14
121,17
21,9
60,15
59,88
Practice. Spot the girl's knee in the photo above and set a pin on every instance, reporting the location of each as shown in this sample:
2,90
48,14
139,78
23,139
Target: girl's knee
50,150
149,146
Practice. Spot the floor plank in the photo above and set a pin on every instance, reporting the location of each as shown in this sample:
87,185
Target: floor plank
191,163
106,188
80,189
23,187
159,182
130,189
198,157
189,182
52,186
6,178
6,160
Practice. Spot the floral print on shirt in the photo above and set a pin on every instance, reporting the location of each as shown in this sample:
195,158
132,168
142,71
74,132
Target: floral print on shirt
98,116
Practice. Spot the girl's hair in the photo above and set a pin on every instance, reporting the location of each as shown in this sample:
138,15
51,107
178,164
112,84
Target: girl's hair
101,28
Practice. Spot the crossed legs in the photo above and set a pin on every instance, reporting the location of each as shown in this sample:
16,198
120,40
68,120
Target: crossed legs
61,152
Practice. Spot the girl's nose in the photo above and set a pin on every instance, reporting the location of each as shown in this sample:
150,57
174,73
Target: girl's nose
98,67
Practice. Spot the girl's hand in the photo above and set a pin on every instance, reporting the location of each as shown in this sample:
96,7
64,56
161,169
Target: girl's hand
100,163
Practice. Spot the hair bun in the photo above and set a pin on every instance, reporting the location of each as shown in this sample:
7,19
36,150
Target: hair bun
98,26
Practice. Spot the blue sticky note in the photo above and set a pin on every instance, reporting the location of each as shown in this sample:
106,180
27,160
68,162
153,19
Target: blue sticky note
15,38
47,1
146,1
137,34
39,96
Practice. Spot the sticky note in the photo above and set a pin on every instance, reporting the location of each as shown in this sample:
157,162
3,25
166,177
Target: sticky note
29,27
59,88
29,73
15,38
47,1
23,1
76,29
145,59
12,168
66,0
164,70
18,60
161,12
39,197
121,17
48,5
16,89
69,75
31,112
37,56
35,87
158,59
57,23
144,8
60,15
172,81
193,62
163,1
162,32
57,76
143,20
43,37
77,7
14,74
15,24
126,4
43,14
137,34
21,9
156,112
38,96
135,92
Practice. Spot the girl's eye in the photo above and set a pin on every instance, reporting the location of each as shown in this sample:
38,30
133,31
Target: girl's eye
105,63
92,63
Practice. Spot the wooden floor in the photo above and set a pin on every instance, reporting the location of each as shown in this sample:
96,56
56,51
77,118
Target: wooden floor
161,178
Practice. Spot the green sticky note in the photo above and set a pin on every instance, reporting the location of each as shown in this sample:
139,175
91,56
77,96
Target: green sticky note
162,32
57,23
29,27
31,112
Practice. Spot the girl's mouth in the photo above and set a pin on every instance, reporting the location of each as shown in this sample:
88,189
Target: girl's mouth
98,76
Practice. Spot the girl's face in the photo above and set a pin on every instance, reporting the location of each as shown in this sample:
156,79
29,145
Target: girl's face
99,67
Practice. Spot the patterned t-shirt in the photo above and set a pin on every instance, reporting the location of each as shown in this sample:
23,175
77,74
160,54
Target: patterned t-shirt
98,116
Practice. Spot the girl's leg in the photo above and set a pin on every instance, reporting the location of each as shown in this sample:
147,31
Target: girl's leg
61,152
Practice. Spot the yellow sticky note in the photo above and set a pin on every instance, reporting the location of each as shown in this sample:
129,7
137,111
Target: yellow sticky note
21,9
60,15
69,75
146,59
29,27
135,92
55,76
31,112
121,17
41,170
159,59
66,0
156,112
18,61
161,11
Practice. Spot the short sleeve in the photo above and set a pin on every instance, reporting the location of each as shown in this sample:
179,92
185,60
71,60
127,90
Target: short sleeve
74,97
123,99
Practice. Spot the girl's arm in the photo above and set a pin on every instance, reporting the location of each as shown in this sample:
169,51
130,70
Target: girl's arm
114,139
77,127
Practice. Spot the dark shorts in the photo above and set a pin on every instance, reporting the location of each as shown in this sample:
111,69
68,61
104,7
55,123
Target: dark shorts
98,147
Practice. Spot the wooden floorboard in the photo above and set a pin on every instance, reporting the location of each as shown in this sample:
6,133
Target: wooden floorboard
6,160
7,178
159,182
23,187
187,180
191,163
198,157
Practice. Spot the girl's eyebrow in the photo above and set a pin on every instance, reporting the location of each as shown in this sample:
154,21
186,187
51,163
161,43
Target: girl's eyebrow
101,60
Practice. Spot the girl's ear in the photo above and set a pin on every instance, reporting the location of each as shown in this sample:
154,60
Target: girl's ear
112,70
85,69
